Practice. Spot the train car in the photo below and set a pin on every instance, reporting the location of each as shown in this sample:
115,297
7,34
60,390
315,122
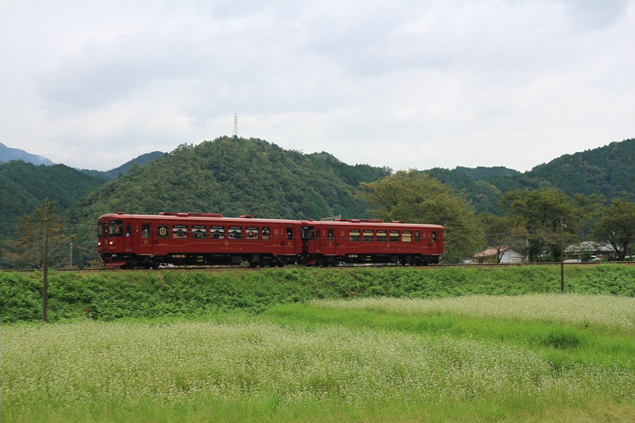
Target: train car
370,241
129,240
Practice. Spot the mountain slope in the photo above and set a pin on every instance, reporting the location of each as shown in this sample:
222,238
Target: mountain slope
25,185
113,174
608,170
8,154
235,176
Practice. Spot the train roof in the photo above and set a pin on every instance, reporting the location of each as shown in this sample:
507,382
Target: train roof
195,216
248,218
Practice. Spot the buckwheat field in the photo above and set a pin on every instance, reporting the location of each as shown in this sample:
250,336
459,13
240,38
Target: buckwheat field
547,357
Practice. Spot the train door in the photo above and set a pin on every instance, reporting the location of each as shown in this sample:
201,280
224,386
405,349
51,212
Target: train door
145,240
290,241
329,242
127,237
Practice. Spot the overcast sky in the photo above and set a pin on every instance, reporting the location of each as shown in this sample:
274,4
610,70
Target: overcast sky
412,84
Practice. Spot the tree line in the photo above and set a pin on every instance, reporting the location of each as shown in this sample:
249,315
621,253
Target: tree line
537,222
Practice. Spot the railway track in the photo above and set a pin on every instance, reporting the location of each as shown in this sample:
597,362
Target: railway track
346,266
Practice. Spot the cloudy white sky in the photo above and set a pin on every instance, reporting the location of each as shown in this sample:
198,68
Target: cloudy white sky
404,84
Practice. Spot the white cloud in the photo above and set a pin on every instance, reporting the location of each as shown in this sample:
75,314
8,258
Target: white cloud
401,84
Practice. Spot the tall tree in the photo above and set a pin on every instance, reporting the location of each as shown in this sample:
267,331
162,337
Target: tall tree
551,219
503,232
417,198
40,238
617,227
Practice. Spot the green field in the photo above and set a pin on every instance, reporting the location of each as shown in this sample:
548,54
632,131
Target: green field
448,356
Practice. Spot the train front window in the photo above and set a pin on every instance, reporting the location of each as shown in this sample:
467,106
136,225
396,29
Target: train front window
99,230
116,228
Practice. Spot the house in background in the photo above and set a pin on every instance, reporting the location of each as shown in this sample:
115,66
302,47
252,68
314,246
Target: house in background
501,255
588,251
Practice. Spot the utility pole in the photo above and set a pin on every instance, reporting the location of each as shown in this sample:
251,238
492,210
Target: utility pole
235,125
71,254
45,267
562,225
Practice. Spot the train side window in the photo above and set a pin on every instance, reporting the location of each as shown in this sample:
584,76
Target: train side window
217,232
289,233
265,233
105,230
128,230
162,231
354,235
199,232
251,233
369,235
417,236
394,236
235,232
145,231
434,236
179,231
329,235
381,236
406,236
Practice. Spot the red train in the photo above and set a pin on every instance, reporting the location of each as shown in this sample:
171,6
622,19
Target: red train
128,241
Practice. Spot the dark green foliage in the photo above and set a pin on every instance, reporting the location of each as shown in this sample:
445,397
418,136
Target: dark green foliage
235,176
607,171
25,185
112,295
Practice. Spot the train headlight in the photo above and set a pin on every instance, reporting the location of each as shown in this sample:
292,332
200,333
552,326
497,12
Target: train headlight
112,242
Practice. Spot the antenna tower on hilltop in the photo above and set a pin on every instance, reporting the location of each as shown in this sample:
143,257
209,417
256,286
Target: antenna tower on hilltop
235,125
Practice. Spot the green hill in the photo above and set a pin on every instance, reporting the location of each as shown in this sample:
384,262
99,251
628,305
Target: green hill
608,170
236,176
25,185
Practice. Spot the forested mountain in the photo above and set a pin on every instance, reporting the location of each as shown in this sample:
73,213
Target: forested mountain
25,185
608,170
111,175
236,176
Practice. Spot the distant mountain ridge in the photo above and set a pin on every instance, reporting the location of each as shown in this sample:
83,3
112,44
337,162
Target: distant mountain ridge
8,154
111,175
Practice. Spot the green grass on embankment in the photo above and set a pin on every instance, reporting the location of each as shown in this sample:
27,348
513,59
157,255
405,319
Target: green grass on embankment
151,294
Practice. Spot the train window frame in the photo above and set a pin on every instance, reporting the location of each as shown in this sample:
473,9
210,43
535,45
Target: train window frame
394,236
266,233
145,231
115,228
354,235
100,230
199,232
289,233
179,231
330,234
163,231
406,236
368,235
434,236
417,236
382,236
235,232
251,233
217,232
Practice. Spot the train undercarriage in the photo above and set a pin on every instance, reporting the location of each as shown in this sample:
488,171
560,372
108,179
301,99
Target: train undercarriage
132,261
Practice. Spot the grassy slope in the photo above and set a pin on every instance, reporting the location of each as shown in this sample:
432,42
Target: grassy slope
112,295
